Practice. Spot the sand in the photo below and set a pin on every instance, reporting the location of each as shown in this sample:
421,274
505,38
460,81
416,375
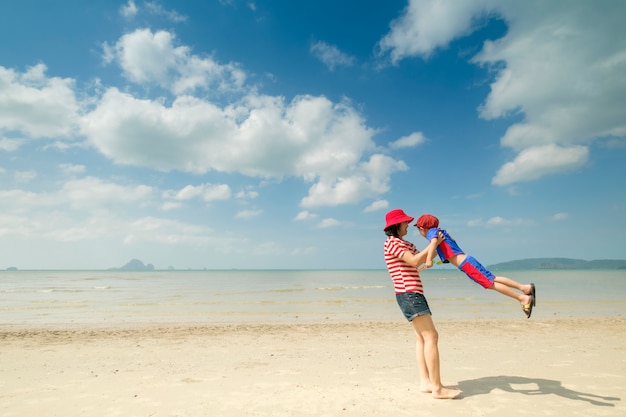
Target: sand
516,367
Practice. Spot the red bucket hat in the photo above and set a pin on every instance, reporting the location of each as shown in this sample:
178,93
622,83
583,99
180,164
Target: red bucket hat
427,221
395,217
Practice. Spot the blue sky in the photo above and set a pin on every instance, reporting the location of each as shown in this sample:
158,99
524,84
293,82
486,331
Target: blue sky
277,134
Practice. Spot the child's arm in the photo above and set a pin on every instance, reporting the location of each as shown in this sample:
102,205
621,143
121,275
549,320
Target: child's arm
421,257
430,251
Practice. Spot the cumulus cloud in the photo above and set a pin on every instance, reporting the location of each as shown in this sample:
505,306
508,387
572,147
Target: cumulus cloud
426,25
560,66
153,58
410,141
204,192
536,162
55,214
36,105
71,169
498,221
91,192
330,55
129,10
329,222
88,209
305,215
171,15
10,144
368,180
324,143
376,206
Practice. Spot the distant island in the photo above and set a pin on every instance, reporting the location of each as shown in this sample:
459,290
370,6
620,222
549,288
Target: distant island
136,265
559,263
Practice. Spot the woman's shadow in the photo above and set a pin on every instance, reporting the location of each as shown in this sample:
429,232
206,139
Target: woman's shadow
530,386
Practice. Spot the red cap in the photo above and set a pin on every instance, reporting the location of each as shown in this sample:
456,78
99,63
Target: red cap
427,221
396,216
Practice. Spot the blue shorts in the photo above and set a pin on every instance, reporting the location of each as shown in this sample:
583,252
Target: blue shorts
477,272
413,304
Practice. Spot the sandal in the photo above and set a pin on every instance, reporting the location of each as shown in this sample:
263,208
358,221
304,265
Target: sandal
528,308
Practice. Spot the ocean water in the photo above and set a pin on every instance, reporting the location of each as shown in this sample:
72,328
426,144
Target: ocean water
114,298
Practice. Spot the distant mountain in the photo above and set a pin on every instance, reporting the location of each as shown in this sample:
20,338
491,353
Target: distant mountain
560,263
137,265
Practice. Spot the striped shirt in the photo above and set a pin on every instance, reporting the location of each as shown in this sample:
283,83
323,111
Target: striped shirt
404,276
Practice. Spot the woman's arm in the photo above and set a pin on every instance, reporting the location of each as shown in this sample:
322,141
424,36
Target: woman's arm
431,250
426,254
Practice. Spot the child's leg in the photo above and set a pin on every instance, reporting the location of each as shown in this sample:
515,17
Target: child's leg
525,288
482,276
510,292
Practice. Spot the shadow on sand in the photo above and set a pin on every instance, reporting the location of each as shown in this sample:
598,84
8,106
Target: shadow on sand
530,386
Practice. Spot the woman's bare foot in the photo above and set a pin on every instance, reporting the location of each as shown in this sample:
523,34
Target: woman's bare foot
446,393
426,389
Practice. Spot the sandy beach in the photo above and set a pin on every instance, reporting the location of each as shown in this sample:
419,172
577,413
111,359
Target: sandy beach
513,367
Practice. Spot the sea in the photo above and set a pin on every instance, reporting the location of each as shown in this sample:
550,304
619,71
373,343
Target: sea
114,298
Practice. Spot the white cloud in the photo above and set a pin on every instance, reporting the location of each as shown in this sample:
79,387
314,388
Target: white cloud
330,55
376,206
498,221
330,222
557,217
410,141
328,145
248,214
77,194
305,215
204,192
257,135
426,25
71,169
35,105
10,144
536,162
129,10
156,9
165,231
91,192
25,176
148,58
89,209
502,222
560,65
368,180
247,194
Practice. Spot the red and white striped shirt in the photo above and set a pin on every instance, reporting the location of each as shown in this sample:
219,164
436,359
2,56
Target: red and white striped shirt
404,276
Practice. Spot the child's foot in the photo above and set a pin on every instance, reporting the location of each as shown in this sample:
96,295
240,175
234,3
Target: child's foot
530,290
527,306
446,393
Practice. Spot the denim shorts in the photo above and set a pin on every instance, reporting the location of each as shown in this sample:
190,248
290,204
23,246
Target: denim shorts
413,304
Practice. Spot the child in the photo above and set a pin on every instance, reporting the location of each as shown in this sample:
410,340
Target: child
450,252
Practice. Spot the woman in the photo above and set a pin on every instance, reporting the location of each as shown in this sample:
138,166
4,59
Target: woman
402,259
